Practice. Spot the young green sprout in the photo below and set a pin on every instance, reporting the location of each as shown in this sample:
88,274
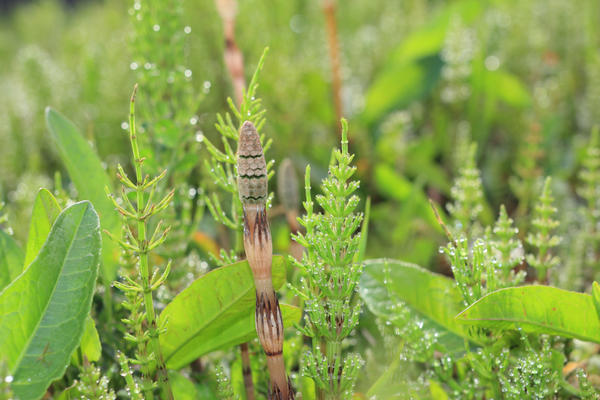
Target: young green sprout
253,192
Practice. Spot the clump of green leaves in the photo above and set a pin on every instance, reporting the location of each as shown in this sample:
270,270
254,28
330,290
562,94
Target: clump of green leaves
224,388
541,237
532,373
139,243
93,385
467,195
507,247
330,276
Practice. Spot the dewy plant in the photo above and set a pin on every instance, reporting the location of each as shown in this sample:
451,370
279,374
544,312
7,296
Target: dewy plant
139,242
253,192
331,275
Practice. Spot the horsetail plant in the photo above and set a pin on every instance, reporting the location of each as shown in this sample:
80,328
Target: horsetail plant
467,195
221,165
221,168
589,189
330,277
508,249
541,236
139,243
258,245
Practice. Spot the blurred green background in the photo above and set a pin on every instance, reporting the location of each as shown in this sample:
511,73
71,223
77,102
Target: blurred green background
420,80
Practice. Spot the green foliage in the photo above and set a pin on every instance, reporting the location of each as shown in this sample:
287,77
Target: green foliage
224,389
219,306
467,194
541,237
11,259
133,387
56,289
93,385
384,281
330,276
147,279
88,176
423,83
222,164
538,309
45,211
507,245
90,346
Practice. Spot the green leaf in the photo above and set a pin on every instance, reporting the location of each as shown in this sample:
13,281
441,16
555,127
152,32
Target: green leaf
90,341
90,179
507,88
216,311
45,211
537,309
429,39
43,312
437,391
596,297
414,66
11,259
433,296
400,85
183,388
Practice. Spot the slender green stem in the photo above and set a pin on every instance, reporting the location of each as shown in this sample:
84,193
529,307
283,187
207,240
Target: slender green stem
145,271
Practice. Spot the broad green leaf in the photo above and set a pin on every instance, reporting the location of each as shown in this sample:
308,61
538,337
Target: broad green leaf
183,388
385,379
507,88
90,344
392,184
215,311
45,211
90,179
538,309
429,39
400,85
70,393
437,391
414,66
11,259
434,297
43,311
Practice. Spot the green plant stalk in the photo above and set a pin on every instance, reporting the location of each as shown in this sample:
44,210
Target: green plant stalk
145,272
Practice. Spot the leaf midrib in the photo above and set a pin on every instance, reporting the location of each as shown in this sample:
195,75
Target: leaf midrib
26,347
208,322
527,322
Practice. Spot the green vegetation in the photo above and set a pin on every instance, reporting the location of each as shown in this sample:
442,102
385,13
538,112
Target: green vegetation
445,246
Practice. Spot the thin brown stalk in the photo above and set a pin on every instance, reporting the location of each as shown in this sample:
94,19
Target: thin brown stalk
329,9
234,60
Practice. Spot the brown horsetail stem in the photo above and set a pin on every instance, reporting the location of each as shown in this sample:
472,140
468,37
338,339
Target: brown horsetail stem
253,191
